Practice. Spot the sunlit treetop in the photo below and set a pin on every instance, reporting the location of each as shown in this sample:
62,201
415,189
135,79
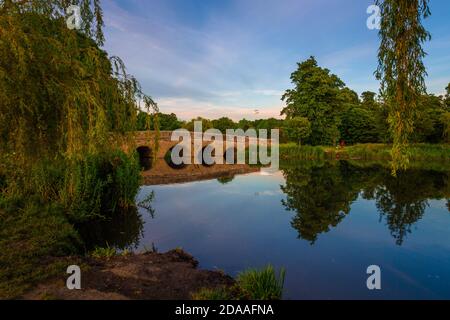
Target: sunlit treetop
90,10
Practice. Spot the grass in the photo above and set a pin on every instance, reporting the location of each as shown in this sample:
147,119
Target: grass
104,253
35,242
262,284
293,151
252,284
369,151
213,294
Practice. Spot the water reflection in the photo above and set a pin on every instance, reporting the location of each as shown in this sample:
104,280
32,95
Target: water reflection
321,195
123,230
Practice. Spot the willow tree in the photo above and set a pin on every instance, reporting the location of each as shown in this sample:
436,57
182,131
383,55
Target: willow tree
58,90
63,100
401,69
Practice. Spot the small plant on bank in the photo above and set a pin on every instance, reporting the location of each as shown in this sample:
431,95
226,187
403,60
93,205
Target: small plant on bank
262,284
104,253
213,294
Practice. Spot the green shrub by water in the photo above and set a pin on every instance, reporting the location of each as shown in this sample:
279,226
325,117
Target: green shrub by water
251,284
99,184
262,284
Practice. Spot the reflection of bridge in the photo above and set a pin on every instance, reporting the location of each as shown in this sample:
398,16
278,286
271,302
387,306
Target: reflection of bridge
161,171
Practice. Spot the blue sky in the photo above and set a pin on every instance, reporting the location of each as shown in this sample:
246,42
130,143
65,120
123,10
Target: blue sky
216,58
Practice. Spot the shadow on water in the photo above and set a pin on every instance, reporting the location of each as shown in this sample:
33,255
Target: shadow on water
122,231
321,195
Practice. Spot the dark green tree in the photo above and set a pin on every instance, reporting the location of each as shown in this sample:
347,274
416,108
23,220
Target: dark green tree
358,125
316,96
297,129
223,124
447,97
369,100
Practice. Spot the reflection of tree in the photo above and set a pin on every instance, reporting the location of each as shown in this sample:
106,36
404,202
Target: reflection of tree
320,197
122,231
403,200
225,180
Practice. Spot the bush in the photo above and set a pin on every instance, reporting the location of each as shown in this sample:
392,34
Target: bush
262,284
98,184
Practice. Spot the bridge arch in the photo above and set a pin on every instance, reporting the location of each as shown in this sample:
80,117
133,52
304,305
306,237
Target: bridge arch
145,157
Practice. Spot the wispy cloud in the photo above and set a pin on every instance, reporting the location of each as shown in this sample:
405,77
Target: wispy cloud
228,58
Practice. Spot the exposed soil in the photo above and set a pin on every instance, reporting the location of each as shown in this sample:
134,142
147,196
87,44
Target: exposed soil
150,276
161,173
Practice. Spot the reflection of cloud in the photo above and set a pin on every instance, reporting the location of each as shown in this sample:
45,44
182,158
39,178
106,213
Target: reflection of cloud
269,193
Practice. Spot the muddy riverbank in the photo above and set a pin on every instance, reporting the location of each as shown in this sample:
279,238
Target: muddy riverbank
149,276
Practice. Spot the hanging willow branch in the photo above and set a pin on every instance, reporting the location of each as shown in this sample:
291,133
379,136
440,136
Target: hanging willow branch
401,69
91,13
60,94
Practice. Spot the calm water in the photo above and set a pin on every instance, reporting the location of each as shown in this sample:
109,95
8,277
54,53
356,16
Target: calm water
325,223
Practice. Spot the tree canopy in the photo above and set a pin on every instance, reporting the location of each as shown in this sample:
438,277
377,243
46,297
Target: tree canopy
318,96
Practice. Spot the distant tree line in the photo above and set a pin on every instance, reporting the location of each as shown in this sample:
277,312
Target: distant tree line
321,110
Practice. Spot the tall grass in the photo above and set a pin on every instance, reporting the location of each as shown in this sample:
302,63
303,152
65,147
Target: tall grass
293,151
251,284
369,151
262,284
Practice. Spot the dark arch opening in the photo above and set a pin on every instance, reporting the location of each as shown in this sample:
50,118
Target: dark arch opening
235,158
168,159
202,152
145,157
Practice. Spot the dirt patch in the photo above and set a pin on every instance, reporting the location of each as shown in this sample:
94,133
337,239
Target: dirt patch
150,276
162,173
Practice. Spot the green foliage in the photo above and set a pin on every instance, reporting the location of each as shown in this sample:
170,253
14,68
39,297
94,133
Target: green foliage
368,100
206,124
317,96
104,253
445,119
428,126
213,294
66,111
401,69
447,97
358,125
297,129
30,233
295,152
262,284
99,184
91,13
223,124
167,122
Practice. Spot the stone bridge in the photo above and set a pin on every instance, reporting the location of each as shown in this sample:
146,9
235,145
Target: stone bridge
162,170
